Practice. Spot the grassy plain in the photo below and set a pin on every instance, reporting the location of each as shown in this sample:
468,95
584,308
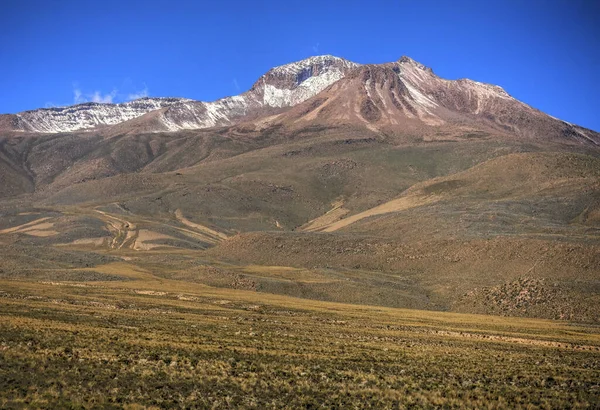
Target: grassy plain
150,342
229,270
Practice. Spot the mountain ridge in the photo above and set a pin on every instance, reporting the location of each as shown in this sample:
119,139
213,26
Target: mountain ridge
427,97
188,113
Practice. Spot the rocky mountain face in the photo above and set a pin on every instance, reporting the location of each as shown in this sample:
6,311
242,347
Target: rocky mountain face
87,115
291,84
282,86
481,103
406,95
325,89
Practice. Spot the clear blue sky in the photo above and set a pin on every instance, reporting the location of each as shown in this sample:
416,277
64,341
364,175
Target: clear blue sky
543,52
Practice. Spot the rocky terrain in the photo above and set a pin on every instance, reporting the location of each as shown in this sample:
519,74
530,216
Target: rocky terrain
282,86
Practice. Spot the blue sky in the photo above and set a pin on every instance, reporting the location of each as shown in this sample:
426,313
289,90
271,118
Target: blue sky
543,52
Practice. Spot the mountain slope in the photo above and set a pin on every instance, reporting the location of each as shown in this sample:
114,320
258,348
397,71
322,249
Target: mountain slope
282,86
403,95
87,115
406,96
383,184
526,221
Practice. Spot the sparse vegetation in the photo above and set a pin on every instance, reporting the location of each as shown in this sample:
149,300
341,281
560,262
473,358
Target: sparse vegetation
152,343
263,264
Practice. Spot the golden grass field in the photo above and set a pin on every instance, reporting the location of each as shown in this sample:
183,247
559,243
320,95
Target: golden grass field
151,342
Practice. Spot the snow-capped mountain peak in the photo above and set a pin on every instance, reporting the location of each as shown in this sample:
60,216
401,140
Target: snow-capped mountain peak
282,86
407,61
387,94
323,62
293,83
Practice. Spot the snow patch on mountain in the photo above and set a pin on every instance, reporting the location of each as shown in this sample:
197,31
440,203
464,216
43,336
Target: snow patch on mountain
291,84
282,86
430,98
283,97
419,97
323,61
89,115
197,114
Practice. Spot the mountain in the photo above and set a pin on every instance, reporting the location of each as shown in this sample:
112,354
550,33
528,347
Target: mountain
388,95
377,183
405,95
282,86
86,115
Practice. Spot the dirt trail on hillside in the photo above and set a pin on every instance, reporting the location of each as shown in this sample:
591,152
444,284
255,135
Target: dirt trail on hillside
39,227
211,236
145,236
125,232
512,339
395,205
333,215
